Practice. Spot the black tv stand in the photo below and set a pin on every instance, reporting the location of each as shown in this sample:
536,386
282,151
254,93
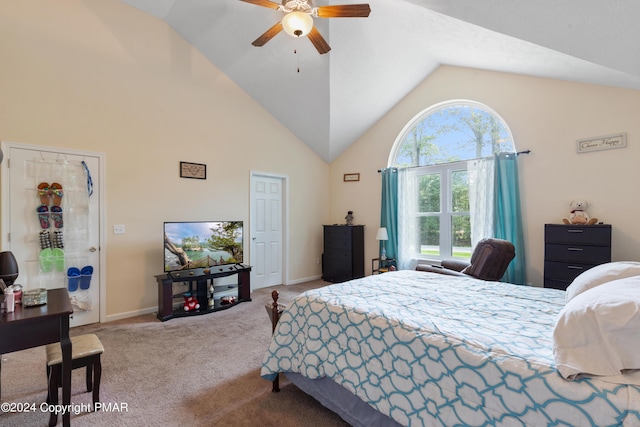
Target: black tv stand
201,283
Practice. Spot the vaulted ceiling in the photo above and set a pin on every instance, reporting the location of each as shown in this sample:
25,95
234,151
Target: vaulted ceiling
330,100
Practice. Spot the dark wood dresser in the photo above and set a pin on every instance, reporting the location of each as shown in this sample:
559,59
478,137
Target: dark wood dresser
343,257
571,249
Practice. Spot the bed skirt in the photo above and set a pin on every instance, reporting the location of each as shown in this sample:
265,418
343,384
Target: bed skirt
341,401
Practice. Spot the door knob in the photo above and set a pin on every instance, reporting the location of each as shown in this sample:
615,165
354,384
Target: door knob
93,249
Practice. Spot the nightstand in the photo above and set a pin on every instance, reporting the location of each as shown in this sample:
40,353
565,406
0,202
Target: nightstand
382,265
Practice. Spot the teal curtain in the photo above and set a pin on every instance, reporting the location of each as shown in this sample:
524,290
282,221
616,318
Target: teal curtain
507,213
389,210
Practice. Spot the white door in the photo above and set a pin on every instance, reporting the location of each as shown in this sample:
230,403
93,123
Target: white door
267,249
51,222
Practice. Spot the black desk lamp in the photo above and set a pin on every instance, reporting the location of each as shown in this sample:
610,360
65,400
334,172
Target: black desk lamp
8,267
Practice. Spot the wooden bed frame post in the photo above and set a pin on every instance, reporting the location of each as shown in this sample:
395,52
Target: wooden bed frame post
275,317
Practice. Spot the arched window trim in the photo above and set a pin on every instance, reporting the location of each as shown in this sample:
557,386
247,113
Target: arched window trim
393,154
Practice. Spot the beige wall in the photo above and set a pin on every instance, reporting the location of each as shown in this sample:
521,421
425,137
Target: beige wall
545,116
102,76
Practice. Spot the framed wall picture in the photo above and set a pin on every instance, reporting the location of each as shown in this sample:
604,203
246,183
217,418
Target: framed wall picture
351,177
605,142
193,170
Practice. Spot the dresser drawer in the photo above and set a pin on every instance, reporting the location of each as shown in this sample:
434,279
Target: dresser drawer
337,264
337,245
337,232
598,235
564,270
339,255
557,284
577,253
336,269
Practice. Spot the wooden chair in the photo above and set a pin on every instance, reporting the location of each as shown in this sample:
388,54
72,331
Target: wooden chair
85,351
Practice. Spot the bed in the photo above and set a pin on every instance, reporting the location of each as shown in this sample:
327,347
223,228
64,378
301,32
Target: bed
413,348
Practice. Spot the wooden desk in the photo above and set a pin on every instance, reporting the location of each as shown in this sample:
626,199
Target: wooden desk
35,326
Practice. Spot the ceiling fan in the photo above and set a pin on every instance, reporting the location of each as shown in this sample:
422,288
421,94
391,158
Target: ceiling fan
298,19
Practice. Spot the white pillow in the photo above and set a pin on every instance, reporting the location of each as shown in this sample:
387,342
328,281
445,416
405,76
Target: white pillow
598,331
601,274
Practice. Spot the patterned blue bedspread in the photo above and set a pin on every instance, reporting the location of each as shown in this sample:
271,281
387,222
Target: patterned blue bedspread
429,349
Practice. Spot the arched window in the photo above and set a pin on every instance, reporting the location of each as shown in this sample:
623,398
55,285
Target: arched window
440,147
451,131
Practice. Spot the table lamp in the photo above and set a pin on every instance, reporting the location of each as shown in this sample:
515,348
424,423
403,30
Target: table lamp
382,235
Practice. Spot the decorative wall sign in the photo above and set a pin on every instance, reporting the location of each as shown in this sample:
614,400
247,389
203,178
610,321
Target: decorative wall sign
351,177
606,142
193,170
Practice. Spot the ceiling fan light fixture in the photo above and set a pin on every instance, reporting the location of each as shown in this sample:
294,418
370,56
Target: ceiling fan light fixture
297,24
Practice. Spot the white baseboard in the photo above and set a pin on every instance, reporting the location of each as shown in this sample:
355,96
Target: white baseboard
128,314
306,279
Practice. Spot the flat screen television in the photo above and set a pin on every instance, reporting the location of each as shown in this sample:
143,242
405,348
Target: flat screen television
200,244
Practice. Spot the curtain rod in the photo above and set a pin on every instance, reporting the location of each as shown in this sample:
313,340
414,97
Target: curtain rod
409,167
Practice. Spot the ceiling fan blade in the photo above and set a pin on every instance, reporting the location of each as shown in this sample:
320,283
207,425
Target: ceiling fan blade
263,3
268,35
318,41
344,11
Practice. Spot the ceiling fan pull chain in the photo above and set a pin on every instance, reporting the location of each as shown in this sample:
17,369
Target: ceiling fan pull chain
295,52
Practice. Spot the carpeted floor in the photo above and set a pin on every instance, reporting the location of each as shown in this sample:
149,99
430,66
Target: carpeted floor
194,371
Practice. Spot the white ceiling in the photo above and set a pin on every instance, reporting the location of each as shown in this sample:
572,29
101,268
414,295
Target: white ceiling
376,61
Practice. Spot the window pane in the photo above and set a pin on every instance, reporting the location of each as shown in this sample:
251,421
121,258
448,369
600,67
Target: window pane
429,193
460,191
452,132
461,236
430,235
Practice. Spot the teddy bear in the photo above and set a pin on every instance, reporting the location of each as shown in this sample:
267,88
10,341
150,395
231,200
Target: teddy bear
578,214
190,302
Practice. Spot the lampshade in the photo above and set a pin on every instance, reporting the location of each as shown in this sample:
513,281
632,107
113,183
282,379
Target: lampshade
382,234
297,24
8,267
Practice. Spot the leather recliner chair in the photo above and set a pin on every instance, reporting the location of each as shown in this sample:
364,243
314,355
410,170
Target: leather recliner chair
489,261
